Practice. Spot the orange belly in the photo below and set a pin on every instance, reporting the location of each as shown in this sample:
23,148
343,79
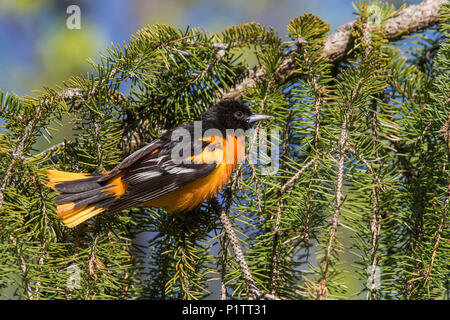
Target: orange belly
194,193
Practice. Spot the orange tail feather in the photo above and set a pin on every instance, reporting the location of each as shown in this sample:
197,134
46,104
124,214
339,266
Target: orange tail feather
81,195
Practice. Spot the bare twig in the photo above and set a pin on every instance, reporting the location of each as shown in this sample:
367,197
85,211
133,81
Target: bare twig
50,150
239,255
43,253
369,167
94,263
323,290
288,185
375,225
223,267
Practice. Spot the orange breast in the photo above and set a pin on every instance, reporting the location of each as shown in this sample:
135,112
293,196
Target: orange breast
194,193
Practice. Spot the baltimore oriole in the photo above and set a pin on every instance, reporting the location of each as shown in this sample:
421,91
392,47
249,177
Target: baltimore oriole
154,176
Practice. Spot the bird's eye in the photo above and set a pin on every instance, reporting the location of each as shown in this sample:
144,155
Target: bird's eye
238,114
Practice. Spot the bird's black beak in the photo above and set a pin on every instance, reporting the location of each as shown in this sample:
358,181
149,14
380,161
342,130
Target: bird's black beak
258,117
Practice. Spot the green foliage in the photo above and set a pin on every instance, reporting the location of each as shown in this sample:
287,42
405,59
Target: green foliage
361,194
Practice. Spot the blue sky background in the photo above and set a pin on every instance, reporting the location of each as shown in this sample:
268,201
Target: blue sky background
36,48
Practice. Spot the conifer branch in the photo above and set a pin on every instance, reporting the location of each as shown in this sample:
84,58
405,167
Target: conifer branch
409,20
323,290
288,185
275,263
375,222
23,266
17,155
440,229
239,255
223,266
50,150
369,167
386,157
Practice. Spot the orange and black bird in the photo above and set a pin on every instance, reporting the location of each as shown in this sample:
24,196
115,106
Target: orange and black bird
154,176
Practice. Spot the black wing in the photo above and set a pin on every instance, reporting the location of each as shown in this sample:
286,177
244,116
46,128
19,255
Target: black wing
156,174
133,158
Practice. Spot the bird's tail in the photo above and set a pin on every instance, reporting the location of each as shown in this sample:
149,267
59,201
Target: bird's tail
82,195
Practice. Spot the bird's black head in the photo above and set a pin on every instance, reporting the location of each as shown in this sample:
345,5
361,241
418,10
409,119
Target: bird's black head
231,114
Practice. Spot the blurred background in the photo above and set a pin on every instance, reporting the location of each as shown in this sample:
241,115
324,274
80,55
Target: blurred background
38,50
